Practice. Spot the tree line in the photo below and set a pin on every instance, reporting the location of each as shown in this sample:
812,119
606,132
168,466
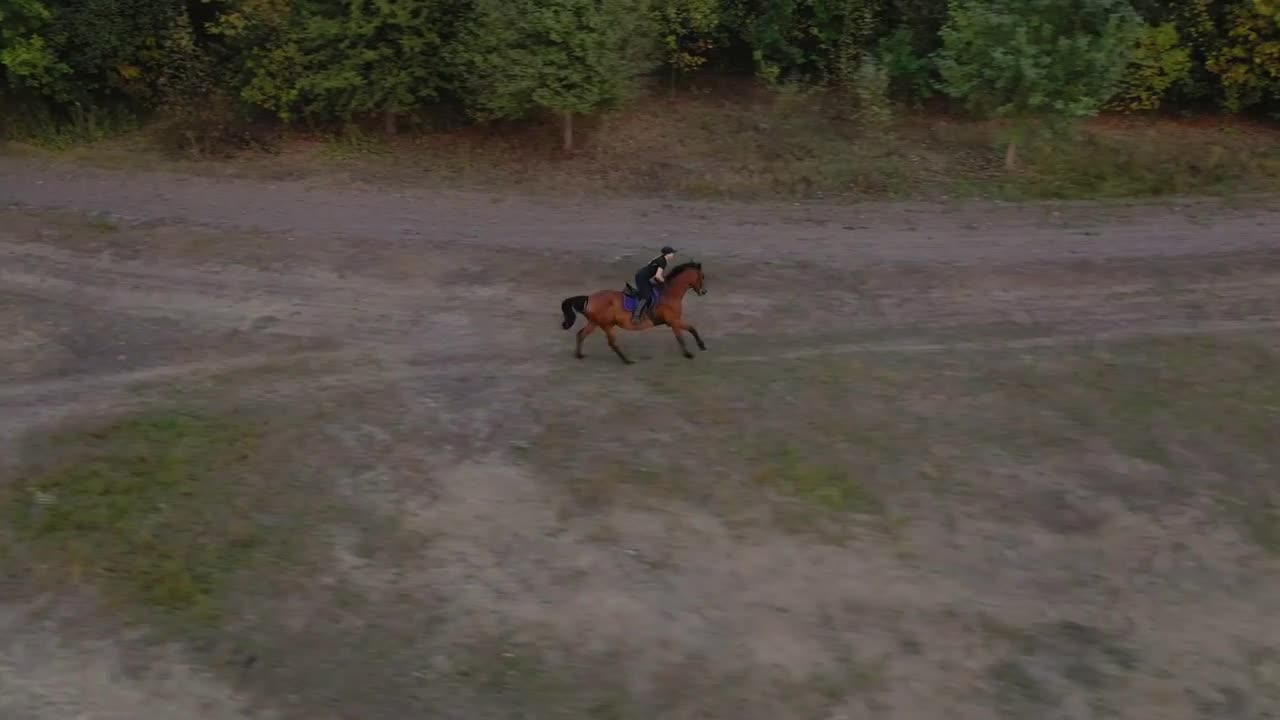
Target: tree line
209,65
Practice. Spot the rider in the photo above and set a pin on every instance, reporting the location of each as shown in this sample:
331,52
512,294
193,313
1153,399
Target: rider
647,276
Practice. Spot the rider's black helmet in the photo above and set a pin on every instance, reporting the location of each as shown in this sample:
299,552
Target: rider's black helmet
667,250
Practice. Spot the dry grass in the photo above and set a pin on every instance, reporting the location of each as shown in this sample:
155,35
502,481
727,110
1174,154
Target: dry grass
745,144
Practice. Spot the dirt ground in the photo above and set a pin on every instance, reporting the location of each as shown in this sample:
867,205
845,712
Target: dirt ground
952,461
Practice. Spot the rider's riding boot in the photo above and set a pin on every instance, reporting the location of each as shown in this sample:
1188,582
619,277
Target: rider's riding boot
639,312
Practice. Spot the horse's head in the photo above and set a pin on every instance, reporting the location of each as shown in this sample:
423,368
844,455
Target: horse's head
691,272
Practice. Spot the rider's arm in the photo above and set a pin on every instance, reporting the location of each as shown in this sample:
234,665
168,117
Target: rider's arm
658,276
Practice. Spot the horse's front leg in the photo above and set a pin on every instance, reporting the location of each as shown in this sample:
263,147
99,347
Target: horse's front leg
675,330
678,327
696,337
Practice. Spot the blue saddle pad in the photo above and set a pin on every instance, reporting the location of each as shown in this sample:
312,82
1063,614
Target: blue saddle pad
629,301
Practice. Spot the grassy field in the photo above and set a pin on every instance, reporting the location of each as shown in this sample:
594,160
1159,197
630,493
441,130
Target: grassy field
887,438
745,144
843,493
253,477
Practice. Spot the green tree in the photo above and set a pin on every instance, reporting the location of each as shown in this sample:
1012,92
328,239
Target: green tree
910,74
256,20
195,100
243,32
1199,28
568,57
80,59
774,32
352,58
1160,62
106,44
1270,8
687,28
815,41
846,32
1047,59
30,62
1248,61
922,19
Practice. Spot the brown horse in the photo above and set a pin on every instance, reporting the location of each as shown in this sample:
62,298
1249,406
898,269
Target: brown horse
605,310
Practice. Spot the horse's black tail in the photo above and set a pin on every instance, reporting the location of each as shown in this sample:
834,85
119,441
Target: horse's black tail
578,303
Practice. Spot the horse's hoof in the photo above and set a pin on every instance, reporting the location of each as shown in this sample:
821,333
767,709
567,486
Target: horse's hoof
688,356
579,356
703,348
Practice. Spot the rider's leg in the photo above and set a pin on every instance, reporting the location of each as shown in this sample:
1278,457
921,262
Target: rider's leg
644,293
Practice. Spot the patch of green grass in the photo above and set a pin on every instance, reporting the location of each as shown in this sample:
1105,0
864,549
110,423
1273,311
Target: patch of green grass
1044,660
750,143
519,680
1162,402
145,507
1148,423
38,127
1091,658
104,226
795,146
829,487
1225,701
849,675
540,678
1260,521
353,143
1100,165
1017,692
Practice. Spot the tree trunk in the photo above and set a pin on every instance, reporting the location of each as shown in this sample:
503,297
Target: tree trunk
568,131
389,121
1011,155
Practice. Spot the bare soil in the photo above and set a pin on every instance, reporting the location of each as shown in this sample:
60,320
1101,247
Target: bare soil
940,460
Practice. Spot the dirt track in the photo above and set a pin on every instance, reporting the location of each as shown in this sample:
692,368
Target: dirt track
843,236
440,312
459,279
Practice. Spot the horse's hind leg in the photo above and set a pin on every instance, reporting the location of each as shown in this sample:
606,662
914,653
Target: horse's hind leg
613,344
581,336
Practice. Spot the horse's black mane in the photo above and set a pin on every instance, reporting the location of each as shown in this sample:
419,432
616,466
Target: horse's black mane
681,268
